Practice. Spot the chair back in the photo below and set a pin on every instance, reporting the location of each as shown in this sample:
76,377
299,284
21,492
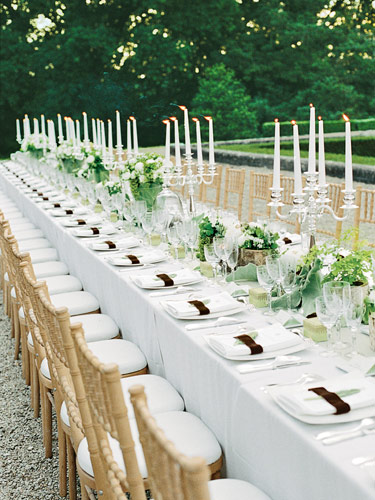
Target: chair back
214,189
336,195
106,404
171,475
287,184
234,185
365,213
260,189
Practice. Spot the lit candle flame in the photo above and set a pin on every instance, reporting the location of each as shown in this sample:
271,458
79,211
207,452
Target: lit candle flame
131,118
346,118
109,121
276,120
173,118
293,122
319,118
311,105
182,107
208,118
83,112
165,122
195,119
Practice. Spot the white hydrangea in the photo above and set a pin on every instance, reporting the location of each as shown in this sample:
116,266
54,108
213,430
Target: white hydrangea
142,178
90,158
139,166
126,175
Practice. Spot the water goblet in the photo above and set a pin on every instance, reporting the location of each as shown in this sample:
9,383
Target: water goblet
267,282
218,242
353,316
211,257
328,318
337,297
287,269
146,221
233,257
272,263
173,238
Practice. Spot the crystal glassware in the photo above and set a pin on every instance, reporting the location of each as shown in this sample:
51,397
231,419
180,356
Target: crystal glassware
173,238
211,257
328,319
353,316
267,282
337,297
272,263
287,269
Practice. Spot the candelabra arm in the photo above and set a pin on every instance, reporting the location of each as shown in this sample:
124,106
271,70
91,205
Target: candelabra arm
281,216
331,211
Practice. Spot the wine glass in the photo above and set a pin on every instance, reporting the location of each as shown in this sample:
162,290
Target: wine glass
146,221
328,318
337,297
267,282
353,316
192,235
272,263
128,213
173,238
211,257
287,269
220,251
160,222
233,257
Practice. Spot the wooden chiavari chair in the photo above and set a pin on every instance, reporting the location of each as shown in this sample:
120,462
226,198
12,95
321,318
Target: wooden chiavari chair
172,474
205,189
365,213
287,184
234,185
106,395
4,225
260,189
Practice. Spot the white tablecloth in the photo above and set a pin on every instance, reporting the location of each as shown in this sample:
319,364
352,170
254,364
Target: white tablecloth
261,443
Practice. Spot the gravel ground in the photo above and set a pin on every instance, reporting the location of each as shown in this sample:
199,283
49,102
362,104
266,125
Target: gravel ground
25,474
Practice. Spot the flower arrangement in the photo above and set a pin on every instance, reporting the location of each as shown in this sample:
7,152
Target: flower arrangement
257,237
145,176
209,228
34,144
113,187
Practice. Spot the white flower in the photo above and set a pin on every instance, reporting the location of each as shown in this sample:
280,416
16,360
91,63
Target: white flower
126,175
133,175
241,239
139,166
142,178
150,161
90,158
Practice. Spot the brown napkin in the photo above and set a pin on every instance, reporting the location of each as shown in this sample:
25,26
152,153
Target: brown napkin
133,259
333,399
110,244
167,280
250,343
203,310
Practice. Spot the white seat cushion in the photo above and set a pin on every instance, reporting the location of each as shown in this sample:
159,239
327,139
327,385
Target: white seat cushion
64,414
97,326
30,339
28,234
76,302
125,354
50,268
43,255
44,369
161,395
33,244
24,226
234,489
63,284
190,436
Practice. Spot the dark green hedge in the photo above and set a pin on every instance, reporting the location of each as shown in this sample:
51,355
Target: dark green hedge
268,128
361,146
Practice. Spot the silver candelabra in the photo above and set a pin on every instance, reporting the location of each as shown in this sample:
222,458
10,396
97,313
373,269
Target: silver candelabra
190,179
310,205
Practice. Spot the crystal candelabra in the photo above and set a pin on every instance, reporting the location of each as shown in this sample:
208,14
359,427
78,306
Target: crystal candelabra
310,205
190,179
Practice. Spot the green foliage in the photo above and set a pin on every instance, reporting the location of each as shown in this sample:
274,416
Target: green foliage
224,97
207,232
268,128
136,57
258,237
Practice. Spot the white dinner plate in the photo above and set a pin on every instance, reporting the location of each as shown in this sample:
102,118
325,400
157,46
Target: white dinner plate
351,416
192,282
263,355
236,309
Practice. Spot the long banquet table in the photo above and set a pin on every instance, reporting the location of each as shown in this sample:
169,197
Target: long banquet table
261,442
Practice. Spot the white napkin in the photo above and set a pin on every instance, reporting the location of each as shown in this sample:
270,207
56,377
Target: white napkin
52,198
145,257
219,302
271,338
302,401
88,231
294,238
89,221
124,243
179,277
62,212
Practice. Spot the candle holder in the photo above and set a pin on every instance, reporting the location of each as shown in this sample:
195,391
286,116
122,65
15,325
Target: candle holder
312,204
203,175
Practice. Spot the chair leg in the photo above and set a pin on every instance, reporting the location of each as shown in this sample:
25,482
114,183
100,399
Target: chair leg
35,393
24,354
46,421
9,308
72,470
17,332
62,441
13,316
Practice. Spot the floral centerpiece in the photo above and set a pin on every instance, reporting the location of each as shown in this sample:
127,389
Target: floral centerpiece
33,144
145,176
92,166
255,243
209,228
66,157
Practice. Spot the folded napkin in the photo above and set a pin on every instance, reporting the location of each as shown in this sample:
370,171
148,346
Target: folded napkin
63,212
120,244
148,257
290,239
357,392
217,303
88,221
179,277
50,197
271,338
94,230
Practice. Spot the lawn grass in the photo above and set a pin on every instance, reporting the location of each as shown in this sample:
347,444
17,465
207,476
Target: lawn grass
256,148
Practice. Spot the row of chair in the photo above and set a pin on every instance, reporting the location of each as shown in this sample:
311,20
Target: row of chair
259,196
76,362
